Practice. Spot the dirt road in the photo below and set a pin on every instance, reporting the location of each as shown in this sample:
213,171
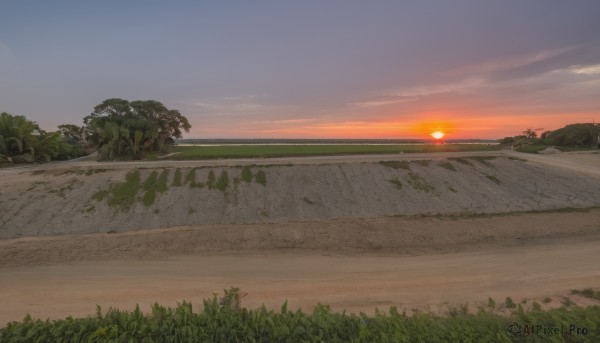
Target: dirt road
354,283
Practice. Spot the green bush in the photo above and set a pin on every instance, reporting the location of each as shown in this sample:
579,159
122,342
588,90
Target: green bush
225,320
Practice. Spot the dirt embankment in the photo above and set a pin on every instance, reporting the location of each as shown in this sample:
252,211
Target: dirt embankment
397,236
83,201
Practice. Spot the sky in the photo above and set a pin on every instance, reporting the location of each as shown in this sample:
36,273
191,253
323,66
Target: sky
309,69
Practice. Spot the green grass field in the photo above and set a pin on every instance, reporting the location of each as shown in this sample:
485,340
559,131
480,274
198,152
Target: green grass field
241,151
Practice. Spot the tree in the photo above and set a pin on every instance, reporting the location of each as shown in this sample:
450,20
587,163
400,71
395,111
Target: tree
581,134
119,127
168,123
530,133
73,133
22,141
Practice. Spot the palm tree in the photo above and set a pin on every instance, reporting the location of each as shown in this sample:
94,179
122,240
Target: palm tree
17,137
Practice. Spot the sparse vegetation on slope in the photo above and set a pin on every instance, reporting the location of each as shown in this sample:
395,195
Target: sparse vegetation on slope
246,174
396,164
419,183
261,177
397,183
447,165
123,195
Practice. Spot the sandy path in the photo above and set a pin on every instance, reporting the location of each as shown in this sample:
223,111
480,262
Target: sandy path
355,283
587,162
360,158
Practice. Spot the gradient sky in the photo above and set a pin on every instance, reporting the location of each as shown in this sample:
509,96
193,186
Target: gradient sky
309,69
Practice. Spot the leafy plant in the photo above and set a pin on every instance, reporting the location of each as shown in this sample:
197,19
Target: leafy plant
224,319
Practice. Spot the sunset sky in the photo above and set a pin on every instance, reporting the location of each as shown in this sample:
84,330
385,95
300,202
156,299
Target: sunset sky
309,69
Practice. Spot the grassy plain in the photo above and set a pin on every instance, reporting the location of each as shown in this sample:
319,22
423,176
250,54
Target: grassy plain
254,151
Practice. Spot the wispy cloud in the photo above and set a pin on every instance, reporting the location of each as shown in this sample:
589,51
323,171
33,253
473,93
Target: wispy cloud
586,70
507,63
380,102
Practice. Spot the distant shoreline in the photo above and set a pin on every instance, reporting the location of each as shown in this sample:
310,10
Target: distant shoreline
226,141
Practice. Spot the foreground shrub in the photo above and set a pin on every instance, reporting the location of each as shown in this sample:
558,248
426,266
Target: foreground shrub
224,320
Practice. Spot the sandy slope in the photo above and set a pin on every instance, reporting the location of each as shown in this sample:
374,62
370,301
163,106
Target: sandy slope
60,201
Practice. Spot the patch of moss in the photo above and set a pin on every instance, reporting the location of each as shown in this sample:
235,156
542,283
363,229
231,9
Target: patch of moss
123,194
246,174
177,179
190,180
92,171
424,163
447,165
308,201
396,164
461,160
162,181
210,182
419,183
223,182
397,183
261,177
483,159
100,195
150,186
494,179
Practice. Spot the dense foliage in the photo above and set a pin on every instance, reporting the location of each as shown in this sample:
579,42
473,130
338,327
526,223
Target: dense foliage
225,321
22,141
119,127
581,135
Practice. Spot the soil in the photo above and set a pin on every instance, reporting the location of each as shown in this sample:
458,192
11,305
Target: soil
334,230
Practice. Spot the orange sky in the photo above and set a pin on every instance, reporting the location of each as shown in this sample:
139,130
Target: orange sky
454,126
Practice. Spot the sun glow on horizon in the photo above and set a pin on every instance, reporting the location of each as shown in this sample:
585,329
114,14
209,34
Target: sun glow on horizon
437,134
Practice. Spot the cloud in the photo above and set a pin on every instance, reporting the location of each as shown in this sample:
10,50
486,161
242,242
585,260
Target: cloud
461,86
586,70
510,62
380,102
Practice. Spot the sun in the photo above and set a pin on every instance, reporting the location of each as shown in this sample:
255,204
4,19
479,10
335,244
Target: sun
437,135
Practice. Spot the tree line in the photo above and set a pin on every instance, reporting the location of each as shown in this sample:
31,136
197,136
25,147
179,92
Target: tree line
572,135
116,128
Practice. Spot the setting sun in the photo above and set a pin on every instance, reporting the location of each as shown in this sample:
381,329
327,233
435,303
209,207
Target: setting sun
437,134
